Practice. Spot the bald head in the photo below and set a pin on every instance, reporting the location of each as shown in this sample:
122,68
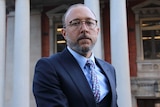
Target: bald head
80,7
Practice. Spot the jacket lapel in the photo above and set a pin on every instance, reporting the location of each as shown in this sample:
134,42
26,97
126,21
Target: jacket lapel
78,77
108,72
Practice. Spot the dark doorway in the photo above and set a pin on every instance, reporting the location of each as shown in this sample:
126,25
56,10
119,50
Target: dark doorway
147,102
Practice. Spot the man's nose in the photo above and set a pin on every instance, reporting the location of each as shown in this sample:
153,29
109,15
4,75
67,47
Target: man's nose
84,26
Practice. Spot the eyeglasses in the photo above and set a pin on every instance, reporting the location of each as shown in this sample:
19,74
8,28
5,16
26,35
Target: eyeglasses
77,23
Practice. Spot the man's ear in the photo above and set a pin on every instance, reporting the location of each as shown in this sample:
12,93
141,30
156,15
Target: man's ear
98,30
63,32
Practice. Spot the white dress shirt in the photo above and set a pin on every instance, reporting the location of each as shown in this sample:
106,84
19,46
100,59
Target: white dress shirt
103,82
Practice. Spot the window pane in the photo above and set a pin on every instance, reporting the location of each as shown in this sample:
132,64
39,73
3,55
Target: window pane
61,43
151,44
151,23
157,46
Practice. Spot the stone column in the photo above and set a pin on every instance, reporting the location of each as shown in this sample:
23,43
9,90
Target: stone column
2,49
51,33
21,86
119,51
94,5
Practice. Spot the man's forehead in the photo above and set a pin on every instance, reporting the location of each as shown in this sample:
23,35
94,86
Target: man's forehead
80,11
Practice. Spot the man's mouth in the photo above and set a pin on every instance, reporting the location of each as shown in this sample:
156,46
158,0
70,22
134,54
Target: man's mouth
83,37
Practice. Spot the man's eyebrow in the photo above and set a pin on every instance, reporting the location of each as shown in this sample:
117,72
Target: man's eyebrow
83,19
74,20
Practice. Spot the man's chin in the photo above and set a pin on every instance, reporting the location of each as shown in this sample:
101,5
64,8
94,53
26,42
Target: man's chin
85,49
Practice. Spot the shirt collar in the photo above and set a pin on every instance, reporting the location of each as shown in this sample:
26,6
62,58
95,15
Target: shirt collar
80,59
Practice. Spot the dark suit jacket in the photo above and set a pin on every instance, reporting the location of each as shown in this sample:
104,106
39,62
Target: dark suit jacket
60,82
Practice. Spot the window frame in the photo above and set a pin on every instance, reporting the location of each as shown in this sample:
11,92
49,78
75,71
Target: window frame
141,38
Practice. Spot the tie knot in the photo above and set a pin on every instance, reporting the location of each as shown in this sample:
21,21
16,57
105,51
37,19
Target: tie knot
90,64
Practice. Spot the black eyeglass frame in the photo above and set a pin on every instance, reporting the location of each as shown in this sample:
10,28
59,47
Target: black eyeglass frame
79,21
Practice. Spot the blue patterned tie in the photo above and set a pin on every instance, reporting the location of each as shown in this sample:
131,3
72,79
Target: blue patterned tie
95,85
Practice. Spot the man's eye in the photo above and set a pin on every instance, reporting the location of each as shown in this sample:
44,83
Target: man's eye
89,23
77,23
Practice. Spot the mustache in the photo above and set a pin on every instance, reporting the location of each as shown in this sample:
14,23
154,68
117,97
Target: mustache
83,37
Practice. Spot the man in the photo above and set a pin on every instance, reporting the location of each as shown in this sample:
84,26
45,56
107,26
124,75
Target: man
67,79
